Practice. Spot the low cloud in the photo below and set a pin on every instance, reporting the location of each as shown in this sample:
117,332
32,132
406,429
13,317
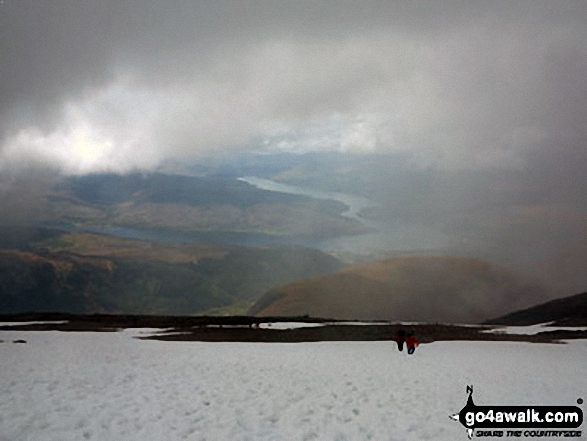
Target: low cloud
125,86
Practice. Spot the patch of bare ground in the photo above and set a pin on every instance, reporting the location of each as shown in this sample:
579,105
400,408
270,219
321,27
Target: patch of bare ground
251,329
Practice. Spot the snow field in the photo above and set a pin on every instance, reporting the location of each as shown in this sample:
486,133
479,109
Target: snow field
534,329
110,386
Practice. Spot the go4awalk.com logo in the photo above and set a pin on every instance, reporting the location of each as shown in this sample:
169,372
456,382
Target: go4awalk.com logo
519,421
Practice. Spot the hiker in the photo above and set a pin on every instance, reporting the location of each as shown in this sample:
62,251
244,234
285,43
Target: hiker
400,338
411,343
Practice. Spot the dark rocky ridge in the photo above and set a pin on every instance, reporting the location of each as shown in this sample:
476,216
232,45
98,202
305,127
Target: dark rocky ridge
567,311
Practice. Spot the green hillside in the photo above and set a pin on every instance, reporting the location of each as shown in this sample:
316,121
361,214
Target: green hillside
95,273
415,288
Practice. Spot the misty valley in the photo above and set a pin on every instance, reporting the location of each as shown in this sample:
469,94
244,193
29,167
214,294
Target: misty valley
289,242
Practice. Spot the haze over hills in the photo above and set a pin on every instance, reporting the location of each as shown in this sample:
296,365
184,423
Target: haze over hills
415,288
464,125
89,273
80,273
521,218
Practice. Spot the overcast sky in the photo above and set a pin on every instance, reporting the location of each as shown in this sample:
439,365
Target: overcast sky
497,87
116,85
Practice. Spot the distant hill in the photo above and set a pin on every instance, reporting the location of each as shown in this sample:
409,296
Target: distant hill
567,311
90,273
212,204
414,288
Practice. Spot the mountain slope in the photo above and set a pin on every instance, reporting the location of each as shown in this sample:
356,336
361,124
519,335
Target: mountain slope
415,288
567,311
86,273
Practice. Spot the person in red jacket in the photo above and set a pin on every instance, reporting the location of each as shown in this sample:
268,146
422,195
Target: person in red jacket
411,343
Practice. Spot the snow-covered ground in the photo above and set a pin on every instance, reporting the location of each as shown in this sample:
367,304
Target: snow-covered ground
56,322
297,325
534,329
111,386
289,325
